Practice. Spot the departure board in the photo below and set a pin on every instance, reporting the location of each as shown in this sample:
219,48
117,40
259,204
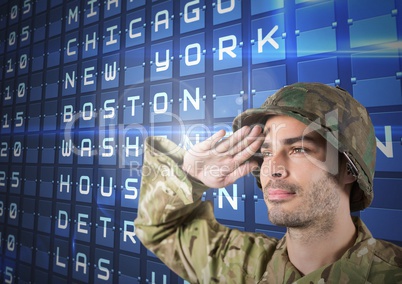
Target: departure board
83,83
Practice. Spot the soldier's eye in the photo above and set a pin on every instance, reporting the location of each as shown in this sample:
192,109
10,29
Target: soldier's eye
267,154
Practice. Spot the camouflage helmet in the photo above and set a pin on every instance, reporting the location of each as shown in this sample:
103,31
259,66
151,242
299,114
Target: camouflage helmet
335,115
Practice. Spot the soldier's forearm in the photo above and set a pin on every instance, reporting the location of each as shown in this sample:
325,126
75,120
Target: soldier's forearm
167,195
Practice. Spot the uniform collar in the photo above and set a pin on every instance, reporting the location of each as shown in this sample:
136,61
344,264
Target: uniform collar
356,260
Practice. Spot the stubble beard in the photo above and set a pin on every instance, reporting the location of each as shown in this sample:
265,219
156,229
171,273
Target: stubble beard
317,209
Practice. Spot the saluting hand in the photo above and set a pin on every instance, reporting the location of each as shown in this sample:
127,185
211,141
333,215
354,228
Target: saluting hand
218,163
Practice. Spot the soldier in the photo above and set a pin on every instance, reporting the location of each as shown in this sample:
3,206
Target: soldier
311,148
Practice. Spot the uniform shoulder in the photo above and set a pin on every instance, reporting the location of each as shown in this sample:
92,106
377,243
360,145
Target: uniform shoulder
388,252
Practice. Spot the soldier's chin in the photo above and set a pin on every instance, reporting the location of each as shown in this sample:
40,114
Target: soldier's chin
287,220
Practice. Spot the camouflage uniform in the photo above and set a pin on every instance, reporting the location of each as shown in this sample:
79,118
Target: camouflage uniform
182,231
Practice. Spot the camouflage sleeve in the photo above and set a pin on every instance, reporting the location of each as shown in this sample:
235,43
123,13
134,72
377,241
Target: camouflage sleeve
169,202
182,231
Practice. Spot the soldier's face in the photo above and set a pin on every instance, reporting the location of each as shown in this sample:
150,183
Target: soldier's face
299,185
